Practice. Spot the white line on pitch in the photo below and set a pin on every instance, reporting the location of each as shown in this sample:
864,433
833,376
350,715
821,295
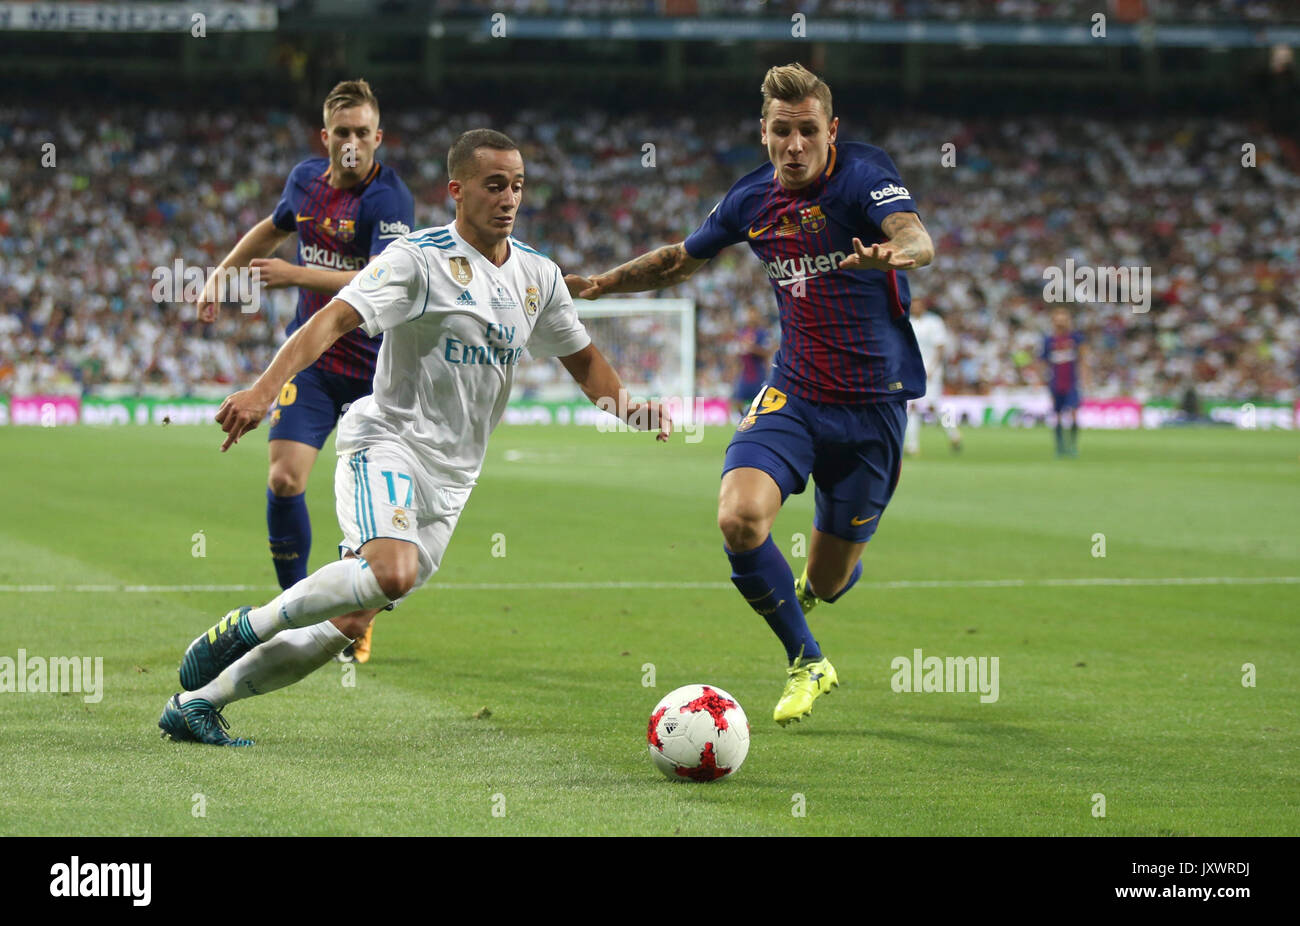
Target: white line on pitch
599,586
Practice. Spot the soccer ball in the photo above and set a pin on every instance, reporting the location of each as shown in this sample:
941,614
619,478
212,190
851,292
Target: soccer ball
699,733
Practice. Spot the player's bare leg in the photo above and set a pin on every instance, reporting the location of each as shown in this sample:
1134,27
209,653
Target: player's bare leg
290,466
832,564
748,503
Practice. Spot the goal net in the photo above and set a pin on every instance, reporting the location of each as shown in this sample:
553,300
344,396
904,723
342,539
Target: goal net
650,342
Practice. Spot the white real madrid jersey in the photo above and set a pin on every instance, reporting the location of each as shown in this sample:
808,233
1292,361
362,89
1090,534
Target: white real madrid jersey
455,326
932,339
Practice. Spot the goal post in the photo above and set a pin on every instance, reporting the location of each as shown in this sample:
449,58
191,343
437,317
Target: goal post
650,342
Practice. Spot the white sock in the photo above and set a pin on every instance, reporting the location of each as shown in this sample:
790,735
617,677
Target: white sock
953,434
291,656
333,590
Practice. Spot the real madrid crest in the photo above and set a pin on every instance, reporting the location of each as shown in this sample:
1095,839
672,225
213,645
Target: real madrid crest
399,519
532,300
461,271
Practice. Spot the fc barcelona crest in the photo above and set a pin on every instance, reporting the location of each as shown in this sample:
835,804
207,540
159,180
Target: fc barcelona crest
343,231
532,300
461,271
812,220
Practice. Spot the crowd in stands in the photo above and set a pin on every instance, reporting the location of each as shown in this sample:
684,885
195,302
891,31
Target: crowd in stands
128,191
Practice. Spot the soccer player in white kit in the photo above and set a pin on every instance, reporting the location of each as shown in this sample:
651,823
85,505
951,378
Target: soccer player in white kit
457,306
933,339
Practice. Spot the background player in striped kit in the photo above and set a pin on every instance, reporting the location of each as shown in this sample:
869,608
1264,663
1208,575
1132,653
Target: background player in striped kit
345,208
834,403
1062,357
754,358
933,338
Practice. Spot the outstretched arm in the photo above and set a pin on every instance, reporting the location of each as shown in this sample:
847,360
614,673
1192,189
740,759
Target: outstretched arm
659,269
602,385
909,246
242,411
260,241
277,274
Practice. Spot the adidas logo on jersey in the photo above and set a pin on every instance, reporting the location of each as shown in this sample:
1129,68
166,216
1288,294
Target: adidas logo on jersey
889,193
465,299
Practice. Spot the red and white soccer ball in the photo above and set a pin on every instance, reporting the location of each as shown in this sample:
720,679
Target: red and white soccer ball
698,733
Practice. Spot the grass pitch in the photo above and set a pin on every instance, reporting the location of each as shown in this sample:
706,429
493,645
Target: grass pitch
1133,690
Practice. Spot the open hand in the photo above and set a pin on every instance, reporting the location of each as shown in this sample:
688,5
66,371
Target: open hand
877,257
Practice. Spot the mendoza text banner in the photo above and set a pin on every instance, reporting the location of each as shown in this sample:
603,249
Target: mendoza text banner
137,17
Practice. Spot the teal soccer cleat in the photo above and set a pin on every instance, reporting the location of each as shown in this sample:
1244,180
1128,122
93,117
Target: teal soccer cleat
196,721
220,646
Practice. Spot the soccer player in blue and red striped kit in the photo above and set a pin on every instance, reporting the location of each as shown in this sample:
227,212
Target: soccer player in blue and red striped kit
834,406
345,208
1062,358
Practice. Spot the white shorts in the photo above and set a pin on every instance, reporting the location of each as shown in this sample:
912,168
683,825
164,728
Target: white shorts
382,491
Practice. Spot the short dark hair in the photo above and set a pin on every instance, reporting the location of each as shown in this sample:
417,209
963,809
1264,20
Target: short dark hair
461,154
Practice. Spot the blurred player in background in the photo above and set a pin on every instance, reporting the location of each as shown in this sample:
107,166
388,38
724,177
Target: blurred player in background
345,208
833,406
756,350
458,305
936,345
1062,357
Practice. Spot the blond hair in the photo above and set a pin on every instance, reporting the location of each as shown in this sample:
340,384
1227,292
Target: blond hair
791,83
349,93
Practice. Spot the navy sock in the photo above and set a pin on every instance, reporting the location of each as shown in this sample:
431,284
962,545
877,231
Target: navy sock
289,529
763,576
1060,438
853,580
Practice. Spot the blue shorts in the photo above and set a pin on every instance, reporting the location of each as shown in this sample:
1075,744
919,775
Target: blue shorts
1064,400
310,404
854,454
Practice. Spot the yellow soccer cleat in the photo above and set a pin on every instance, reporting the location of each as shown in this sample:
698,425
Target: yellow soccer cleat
807,600
807,682
361,645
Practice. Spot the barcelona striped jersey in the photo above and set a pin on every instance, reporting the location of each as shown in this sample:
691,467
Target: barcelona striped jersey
1061,352
341,230
845,335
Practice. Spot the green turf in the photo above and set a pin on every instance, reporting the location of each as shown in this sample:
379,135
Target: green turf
1133,692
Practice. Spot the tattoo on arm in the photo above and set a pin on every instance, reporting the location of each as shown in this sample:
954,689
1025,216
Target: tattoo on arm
661,268
906,232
